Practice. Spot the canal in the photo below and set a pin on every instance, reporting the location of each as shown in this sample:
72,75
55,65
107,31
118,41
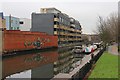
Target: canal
32,64
41,64
46,64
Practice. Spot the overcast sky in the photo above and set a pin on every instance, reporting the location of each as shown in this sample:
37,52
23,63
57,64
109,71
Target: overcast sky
84,11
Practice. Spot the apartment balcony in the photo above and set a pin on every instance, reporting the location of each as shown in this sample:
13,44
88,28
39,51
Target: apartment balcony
66,34
79,35
74,34
72,20
77,30
79,39
70,39
73,30
72,25
62,33
55,33
74,39
68,29
62,39
62,27
56,26
56,19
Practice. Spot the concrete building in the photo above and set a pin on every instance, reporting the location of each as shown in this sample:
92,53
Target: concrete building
68,30
2,21
12,23
90,38
25,24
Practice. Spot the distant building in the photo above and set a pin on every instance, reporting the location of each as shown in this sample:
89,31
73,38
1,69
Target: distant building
94,38
90,38
25,24
2,21
12,23
1,15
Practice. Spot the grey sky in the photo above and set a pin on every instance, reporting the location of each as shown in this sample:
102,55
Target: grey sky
85,12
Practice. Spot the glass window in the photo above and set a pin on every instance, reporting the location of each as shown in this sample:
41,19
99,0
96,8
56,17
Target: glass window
11,28
60,19
21,22
17,28
16,22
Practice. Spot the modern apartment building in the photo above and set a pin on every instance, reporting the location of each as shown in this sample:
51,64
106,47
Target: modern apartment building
12,23
68,30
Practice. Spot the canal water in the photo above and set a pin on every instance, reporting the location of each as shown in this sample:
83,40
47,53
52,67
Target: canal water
43,64
35,64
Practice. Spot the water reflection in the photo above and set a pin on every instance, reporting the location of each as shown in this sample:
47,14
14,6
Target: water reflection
40,64
45,71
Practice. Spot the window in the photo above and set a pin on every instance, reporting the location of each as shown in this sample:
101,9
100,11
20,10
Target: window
56,23
55,16
17,28
60,19
21,22
16,22
11,28
55,29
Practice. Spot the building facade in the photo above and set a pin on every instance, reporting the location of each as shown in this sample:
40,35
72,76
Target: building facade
12,23
2,21
25,24
90,38
68,30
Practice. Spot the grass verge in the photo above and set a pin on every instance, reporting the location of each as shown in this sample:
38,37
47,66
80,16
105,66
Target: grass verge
106,67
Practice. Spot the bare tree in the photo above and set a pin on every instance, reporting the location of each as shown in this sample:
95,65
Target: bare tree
108,28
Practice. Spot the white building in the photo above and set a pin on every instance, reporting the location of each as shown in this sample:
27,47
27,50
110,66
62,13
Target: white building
25,24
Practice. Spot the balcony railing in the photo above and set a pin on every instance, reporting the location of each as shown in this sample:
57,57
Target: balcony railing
72,25
56,26
55,33
56,19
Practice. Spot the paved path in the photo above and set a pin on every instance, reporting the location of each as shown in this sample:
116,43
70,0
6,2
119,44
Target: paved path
113,49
